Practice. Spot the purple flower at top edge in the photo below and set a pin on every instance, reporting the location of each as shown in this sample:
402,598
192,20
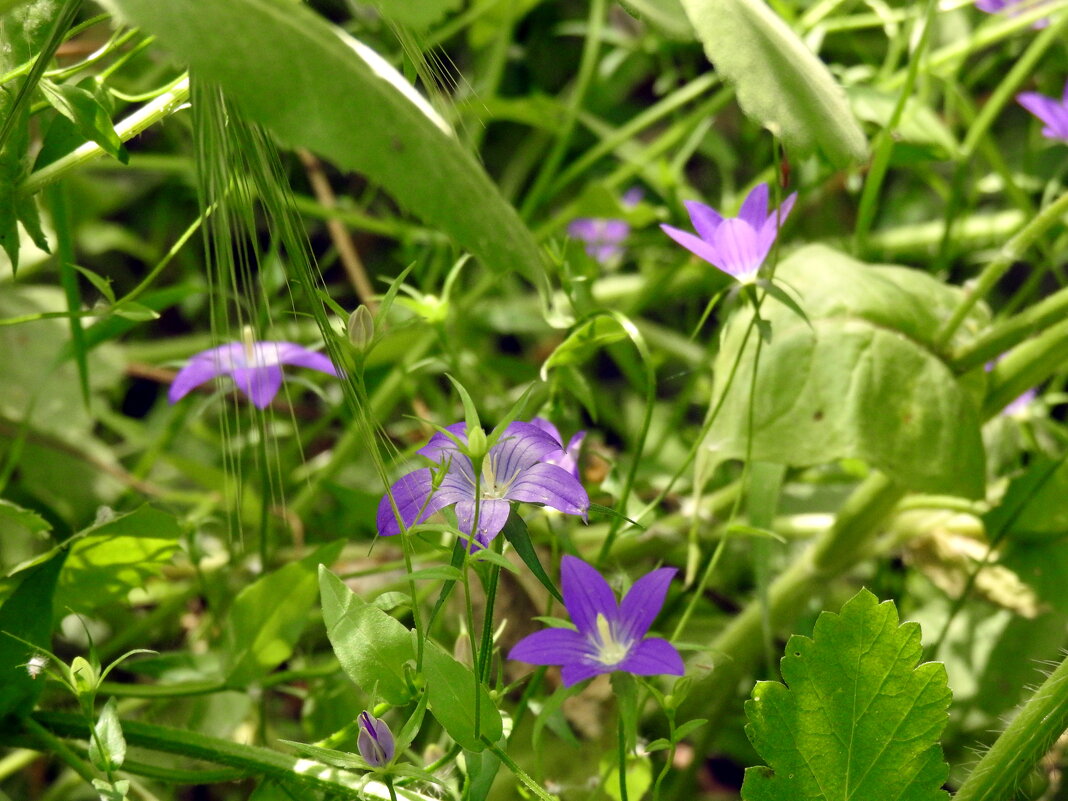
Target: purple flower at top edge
1053,112
569,456
255,367
735,245
375,741
609,636
1011,7
517,468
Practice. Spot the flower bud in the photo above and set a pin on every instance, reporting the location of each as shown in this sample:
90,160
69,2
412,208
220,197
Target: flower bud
375,741
361,328
477,444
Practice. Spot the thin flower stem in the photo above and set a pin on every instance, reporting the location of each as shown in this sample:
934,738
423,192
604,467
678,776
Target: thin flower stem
519,773
60,749
1012,250
485,648
388,781
621,741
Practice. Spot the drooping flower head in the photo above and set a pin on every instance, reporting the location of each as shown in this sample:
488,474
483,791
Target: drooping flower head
516,468
375,740
1053,112
736,245
1011,7
604,237
255,367
609,636
569,457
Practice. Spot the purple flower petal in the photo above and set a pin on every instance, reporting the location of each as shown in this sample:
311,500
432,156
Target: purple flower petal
653,657
410,492
552,647
521,446
739,248
575,672
195,373
553,486
755,207
586,594
492,515
260,384
549,429
1052,112
705,221
288,353
774,223
375,741
642,603
695,245
440,444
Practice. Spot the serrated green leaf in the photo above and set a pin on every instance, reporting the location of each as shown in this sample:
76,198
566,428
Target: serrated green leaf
863,381
780,82
371,646
88,115
451,690
23,517
268,616
857,717
333,86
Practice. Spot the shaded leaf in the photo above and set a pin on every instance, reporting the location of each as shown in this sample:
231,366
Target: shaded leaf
780,82
88,115
857,718
516,532
451,691
23,517
107,748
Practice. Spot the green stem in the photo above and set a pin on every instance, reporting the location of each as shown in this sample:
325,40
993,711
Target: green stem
621,741
60,749
519,773
1019,748
159,109
485,648
1013,250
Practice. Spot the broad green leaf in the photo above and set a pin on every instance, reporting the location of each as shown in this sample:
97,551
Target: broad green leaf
779,81
371,646
110,559
269,615
451,691
339,95
667,16
858,718
107,749
862,381
27,614
23,517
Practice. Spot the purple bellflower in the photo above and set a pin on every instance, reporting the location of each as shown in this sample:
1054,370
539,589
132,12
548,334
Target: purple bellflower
604,237
1053,112
516,468
735,245
1011,7
569,456
255,367
609,637
375,741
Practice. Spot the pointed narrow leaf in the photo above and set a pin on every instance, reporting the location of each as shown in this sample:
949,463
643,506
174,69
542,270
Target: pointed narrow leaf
515,530
780,82
857,717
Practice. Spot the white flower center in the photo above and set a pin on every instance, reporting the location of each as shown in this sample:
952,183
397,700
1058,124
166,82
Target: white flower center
610,651
492,487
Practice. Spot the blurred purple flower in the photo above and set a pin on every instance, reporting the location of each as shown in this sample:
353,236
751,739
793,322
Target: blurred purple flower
517,468
1018,406
1012,7
255,367
604,237
568,458
375,740
610,637
1053,112
735,245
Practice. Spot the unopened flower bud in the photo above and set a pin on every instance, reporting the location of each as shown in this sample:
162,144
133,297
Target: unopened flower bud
477,444
375,741
361,328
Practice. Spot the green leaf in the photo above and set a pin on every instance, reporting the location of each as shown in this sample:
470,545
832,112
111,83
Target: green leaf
102,284
516,532
418,15
857,718
862,380
588,338
780,82
269,615
23,517
26,614
451,692
88,115
108,560
334,87
371,646
107,749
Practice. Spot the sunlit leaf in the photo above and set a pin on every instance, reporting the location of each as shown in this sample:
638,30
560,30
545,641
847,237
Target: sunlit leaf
856,718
